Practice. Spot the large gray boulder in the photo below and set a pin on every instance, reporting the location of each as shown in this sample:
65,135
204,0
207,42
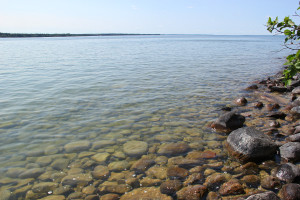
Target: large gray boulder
249,144
290,151
228,122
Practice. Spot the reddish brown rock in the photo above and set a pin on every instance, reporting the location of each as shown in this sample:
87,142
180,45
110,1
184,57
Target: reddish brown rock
193,192
232,187
193,178
242,101
201,155
172,149
290,191
170,187
177,172
142,165
258,104
215,180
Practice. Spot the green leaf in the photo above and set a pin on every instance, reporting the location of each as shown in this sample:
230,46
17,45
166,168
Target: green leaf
291,23
287,32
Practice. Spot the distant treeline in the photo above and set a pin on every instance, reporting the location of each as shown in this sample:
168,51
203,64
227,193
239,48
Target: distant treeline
20,35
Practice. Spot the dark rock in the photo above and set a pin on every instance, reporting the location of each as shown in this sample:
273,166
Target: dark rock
193,192
241,101
290,191
264,196
232,187
277,115
252,87
251,180
271,107
274,124
258,104
279,89
170,187
287,172
175,172
228,122
290,151
226,108
215,180
250,144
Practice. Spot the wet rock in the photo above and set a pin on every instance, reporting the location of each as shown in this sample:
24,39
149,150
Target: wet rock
5,195
78,179
89,190
157,172
290,151
228,122
213,196
270,183
101,157
54,197
264,196
92,197
60,164
293,138
133,182
250,144
77,146
35,153
214,181
251,180
148,182
274,124
31,195
63,190
242,101
296,90
100,172
119,165
102,143
44,187
75,170
119,189
201,155
175,172
110,197
135,148
252,87
32,173
14,172
170,187
279,89
193,178
193,192
258,104
277,115
268,165
184,162
173,149
287,172
232,187
296,112
142,165
149,193
44,161
52,149
248,168
76,195
290,191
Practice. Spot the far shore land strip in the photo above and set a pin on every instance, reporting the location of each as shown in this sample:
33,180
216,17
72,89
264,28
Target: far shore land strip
27,35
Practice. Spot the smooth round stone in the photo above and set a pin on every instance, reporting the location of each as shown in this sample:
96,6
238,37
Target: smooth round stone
89,190
157,172
135,148
110,197
101,157
15,172
173,149
60,164
85,154
270,182
54,197
77,146
232,187
215,180
102,143
63,190
170,187
175,172
142,165
92,197
100,172
290,191
44,160
75,170
78,179
148,182
32,173
44,187
119,154
192,192
5,195
119,165
50,150
119,189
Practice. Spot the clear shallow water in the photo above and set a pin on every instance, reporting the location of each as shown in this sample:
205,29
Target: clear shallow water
59,90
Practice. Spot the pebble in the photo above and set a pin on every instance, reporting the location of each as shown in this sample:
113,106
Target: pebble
100,172
78,179
110,197
148,182
232,187
142,165
119,165
32,173
170,187
175,172
60,164
101,157
119,189
44,187
173,149
192,192
270,183
135,148
157,172
145,193
77,146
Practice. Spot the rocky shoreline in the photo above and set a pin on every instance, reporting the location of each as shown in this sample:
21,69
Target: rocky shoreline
253,155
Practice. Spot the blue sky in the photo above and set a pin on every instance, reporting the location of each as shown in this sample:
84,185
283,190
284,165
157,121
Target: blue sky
142,16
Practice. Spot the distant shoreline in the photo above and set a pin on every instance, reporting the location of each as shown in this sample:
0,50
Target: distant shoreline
30,35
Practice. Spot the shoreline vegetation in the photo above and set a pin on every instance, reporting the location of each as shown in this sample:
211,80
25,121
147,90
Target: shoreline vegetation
29,35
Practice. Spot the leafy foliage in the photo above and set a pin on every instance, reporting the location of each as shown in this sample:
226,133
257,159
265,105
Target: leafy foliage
291,31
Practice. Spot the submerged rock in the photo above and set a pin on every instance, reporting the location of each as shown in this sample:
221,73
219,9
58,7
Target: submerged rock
142,165
77,146
250,144
32,173
290,191
228,122
78,179
149,193
232,187
173,149
135,148
170,187
193,192
287,172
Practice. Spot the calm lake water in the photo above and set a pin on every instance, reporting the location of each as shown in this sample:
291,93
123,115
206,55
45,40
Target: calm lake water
156,89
